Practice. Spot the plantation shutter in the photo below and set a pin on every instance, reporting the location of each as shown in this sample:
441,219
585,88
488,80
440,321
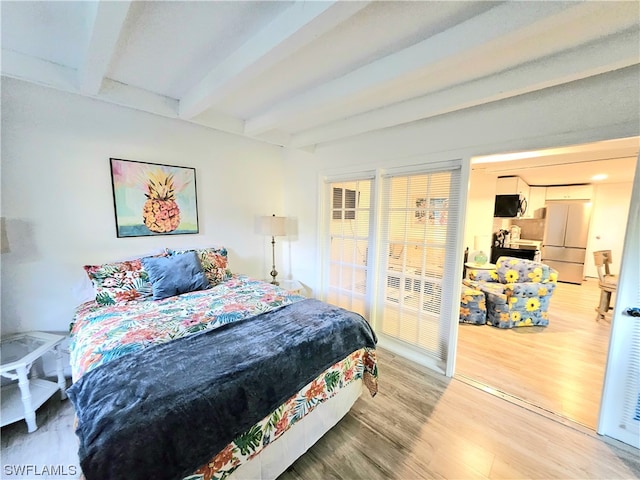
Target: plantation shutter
417,255
347,244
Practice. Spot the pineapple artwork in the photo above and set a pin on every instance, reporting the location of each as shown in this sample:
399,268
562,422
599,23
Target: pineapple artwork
161,213
153,199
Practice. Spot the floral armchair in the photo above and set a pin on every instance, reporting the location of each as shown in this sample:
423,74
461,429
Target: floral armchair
517,291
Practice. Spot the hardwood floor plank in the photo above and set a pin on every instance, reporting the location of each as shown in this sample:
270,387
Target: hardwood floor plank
421,425
559,368
445,428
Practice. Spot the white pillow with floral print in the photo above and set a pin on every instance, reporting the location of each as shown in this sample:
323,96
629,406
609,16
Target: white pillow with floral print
121,282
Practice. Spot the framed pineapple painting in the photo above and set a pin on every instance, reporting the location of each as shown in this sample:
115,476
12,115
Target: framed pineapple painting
153,199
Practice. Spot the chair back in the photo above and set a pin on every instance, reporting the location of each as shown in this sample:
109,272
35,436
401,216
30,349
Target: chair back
465,259
602,259
520,270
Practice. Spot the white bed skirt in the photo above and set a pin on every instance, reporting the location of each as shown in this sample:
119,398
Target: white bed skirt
282,453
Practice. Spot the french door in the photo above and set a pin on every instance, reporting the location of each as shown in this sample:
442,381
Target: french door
392,256
620,407
348,244
417,254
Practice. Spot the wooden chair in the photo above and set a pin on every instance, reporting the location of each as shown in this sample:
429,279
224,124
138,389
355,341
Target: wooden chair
465,259
608,283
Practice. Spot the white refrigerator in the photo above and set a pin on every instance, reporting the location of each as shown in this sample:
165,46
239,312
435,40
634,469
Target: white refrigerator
566,232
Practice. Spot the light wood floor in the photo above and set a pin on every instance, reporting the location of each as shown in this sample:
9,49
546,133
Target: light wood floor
420,425
559,368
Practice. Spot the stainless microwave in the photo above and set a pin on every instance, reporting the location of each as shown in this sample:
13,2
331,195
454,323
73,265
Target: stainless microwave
510,206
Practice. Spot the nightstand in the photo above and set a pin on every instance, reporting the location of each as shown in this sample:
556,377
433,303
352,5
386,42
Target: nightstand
293,286
17,353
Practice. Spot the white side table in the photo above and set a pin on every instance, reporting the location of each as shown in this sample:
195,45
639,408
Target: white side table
17,354
480,266
292,286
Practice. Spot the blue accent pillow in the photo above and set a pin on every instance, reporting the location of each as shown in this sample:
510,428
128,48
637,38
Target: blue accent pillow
175,274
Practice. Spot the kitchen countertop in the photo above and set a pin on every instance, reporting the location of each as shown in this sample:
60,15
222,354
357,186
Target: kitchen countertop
526,244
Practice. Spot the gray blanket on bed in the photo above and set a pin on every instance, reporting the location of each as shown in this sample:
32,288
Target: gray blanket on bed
163,412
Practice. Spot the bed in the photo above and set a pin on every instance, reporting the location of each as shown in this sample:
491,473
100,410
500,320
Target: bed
236,380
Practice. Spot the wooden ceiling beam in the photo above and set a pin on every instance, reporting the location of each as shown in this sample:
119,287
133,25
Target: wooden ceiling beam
506,23
106,27
615,52
293,29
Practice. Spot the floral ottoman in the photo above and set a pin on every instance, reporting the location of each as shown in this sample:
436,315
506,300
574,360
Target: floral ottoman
473,308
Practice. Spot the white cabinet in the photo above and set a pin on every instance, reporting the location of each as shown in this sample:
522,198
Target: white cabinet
570,192
511,186
535,202
515,185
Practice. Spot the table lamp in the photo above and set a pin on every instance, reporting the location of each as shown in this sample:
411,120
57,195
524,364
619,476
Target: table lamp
479,256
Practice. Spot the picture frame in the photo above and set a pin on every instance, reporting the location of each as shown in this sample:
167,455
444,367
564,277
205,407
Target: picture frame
438,211
153,199
420,214
432,211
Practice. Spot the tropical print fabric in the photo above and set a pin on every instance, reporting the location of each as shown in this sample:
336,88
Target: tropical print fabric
214,263
120,282
473,308
360,364
103,332
517,292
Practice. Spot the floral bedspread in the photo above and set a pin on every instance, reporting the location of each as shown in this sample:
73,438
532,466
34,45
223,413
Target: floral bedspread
360,364
102,333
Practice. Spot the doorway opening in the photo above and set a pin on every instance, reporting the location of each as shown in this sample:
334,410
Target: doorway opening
558,368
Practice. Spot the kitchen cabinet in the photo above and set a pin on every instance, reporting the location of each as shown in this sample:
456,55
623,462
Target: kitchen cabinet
535,202
569,192
512,185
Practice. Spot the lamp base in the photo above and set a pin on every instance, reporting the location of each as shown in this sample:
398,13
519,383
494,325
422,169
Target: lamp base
479,257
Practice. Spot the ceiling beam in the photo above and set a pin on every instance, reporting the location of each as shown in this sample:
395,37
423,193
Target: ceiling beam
52,75
219,121
505,22
35,70
613,53
107,25
297,26
137,98
146,101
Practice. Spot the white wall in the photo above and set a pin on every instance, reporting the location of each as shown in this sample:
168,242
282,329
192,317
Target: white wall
57,198
480,205
598,108
608,223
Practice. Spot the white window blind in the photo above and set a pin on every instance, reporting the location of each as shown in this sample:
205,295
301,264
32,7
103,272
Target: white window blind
348,244
417,254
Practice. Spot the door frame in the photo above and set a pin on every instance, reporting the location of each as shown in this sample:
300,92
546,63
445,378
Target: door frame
623,326
613,388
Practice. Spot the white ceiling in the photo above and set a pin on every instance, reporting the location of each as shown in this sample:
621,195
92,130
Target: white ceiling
302,73
575,164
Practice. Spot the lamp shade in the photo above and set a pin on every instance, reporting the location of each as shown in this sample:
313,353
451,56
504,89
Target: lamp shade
272,226
482,242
